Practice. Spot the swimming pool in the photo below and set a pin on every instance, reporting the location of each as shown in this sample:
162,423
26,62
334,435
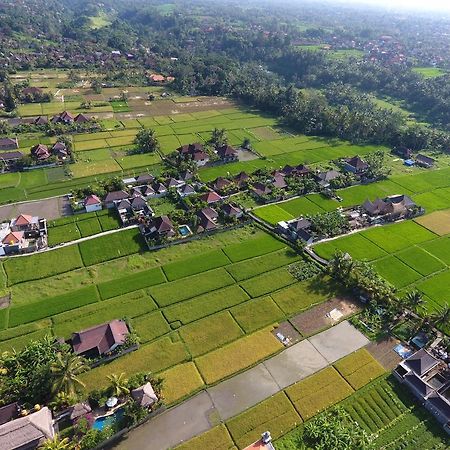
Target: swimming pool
108,421
184,230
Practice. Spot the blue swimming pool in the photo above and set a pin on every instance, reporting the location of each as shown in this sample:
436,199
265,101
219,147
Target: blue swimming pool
184,230
108,421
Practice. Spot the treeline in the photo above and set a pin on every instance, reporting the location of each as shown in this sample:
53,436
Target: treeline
337,111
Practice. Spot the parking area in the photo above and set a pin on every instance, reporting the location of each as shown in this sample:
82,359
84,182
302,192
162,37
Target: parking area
51,208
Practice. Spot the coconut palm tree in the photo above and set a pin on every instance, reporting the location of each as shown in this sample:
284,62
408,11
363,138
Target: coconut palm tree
119,384
414,300
57,444
65,371
441,317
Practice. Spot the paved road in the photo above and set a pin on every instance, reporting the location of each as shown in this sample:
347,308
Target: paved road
50,208
235,395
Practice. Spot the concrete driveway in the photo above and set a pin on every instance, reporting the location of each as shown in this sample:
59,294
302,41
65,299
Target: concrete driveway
233,396
243,391
295,363
51,208
338,341
172,427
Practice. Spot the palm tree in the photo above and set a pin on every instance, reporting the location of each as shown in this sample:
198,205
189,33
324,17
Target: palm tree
441,317
119,384
57,444
414,299
66,370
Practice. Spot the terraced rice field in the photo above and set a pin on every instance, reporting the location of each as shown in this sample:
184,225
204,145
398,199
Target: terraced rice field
406,254
207,305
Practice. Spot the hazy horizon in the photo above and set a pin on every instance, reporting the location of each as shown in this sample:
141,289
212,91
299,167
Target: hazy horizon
429,5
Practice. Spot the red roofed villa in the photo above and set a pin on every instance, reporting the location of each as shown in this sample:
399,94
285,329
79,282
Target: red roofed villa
211,197
92,203
99,340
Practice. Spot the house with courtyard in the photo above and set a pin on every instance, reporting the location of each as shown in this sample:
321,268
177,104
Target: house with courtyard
207,220
231,211
211,197
355,165
260,189
324,178
100,340
113,197
9,143
40,152
298,171
296,229
242,179
227,154
194,152
186,191
157,228
65,117
391,208
28,432
428,378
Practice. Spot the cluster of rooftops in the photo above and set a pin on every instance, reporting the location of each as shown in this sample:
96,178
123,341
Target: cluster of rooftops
23,234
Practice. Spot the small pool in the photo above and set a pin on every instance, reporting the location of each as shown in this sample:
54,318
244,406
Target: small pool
184,230
108,421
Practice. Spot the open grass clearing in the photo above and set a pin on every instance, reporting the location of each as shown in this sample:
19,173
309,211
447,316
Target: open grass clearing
356,245
439,248
89,227
436,288
210,333
18,343
22,330
398,236
177,291
87,169
105,248
63,233
237,356
272,214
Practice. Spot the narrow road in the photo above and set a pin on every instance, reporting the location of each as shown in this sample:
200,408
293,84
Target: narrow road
235,395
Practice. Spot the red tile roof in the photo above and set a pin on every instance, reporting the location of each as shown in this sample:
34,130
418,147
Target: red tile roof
92,200
23,219
101,338
14,237
211,197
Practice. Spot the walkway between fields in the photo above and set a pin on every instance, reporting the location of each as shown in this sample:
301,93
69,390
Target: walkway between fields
235,395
